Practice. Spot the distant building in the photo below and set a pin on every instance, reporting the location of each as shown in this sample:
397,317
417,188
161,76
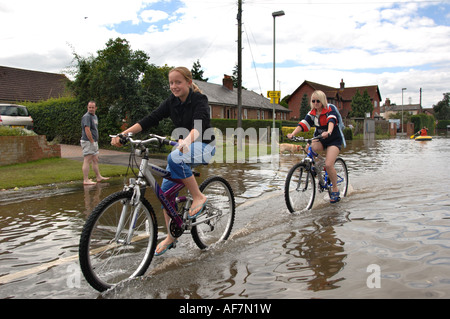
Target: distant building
223,102
18,85
387,109
341,97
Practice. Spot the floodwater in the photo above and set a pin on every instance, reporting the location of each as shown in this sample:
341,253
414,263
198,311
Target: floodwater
389,238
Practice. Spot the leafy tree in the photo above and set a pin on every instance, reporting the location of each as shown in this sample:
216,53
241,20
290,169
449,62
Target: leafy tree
234,77
112,79
304,107
197,72
442,108
284,102
361,104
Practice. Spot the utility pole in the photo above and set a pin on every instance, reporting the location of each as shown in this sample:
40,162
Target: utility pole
239,101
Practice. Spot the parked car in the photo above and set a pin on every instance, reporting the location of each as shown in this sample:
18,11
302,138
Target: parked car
15,116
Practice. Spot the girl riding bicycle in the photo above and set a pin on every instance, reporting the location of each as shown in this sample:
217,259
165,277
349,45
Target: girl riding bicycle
185,106
325,119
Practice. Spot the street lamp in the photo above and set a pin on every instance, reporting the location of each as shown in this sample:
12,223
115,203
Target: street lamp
403,89
274,15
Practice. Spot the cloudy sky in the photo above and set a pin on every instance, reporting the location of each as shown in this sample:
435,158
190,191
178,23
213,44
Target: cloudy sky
392,44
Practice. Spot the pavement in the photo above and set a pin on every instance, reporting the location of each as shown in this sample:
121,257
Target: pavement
105,156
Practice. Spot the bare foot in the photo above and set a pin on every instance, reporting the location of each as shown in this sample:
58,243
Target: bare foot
164,246
197,205
102,179
89,182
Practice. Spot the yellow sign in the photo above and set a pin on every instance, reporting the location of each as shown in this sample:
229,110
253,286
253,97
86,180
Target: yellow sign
274,100
274,94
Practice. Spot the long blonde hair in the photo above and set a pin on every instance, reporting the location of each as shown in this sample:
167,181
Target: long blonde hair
322,98
188,76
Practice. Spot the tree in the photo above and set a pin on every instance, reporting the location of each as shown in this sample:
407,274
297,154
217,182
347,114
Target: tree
304,107
361,104
197,72
234,77
112,79
442,108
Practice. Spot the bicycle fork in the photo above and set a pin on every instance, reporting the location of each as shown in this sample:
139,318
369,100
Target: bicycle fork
133,206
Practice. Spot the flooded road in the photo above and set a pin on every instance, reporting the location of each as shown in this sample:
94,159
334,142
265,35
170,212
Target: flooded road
389,238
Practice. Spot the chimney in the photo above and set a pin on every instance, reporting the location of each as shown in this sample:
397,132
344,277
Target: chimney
388,102
227,82
342,85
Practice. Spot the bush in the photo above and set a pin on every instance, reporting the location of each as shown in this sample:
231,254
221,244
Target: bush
9,131
421,120
348,134
60,119
442,124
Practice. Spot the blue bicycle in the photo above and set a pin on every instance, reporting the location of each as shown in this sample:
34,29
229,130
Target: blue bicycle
300,186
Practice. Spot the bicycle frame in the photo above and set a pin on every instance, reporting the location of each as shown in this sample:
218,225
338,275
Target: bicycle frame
146,177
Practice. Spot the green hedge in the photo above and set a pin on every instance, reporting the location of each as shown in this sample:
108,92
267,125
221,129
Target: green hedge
421,120
442,124
60,119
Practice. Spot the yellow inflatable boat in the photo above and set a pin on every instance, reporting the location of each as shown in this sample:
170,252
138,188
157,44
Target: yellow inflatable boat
423,138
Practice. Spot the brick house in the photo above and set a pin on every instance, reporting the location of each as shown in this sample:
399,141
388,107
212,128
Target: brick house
18,85
341,97
223,102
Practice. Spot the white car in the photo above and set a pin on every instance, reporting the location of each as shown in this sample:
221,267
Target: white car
15,116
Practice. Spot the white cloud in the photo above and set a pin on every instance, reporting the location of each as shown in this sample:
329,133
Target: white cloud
393,45
153,16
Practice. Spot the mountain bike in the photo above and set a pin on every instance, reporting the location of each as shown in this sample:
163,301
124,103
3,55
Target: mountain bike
300,184
119,237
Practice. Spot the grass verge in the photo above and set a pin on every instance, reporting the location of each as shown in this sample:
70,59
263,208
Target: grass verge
49,171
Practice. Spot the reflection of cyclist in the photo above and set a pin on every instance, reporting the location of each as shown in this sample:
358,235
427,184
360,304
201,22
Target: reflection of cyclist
325,120
185,105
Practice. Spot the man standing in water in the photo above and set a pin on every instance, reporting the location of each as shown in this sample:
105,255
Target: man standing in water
89,144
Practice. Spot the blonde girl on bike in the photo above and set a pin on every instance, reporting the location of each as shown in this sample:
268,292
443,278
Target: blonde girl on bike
184,106
325,119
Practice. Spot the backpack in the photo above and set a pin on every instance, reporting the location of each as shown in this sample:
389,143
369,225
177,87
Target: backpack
340,124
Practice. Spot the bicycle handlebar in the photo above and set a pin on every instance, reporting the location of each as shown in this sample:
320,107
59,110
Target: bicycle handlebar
301,139
124,138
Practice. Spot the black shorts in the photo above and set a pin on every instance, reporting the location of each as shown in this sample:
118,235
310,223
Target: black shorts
331,141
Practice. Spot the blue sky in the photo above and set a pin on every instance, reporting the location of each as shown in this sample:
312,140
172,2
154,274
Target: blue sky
152,17
392,44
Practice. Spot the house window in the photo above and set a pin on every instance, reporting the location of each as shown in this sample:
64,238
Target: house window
245,114
262,115
258,115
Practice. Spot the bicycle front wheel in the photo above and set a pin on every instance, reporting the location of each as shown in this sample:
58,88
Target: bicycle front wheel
216,222
108,251
299,188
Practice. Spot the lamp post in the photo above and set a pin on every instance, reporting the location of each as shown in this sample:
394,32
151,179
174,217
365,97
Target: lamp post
403,89
274,15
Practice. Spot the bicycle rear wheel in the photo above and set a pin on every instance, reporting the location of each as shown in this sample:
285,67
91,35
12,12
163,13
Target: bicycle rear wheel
299,188
106,256
219,213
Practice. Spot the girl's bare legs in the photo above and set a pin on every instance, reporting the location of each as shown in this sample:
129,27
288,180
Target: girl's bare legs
197,200
332,154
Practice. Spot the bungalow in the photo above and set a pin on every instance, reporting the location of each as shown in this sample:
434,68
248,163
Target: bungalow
387,109
223,102
341,97
18,85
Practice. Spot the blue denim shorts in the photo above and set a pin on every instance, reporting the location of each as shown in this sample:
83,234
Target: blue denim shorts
180,164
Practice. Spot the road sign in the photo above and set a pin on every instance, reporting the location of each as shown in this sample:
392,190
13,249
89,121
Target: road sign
274,94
